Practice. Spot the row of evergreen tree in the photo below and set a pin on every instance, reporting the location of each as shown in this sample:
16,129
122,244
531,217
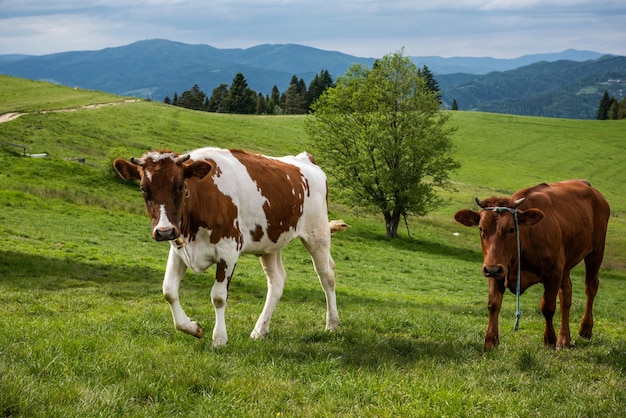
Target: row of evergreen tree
610,108
240,98
297,100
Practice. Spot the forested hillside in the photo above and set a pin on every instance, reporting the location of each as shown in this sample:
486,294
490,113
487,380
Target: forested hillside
560,89
155,69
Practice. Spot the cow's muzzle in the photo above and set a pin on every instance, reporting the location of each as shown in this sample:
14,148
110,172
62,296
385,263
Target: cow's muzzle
165,234
495,271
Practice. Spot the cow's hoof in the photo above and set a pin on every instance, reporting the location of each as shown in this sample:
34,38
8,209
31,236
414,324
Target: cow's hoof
332,327
219,343
491,343
258,334
199,332
565,343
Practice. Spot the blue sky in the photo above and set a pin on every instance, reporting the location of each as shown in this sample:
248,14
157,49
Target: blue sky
496,28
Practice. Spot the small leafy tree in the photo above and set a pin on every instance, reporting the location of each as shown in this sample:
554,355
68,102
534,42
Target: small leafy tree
455,105
381,134
621,108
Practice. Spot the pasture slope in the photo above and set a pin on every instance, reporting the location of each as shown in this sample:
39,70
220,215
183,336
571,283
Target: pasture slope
84,330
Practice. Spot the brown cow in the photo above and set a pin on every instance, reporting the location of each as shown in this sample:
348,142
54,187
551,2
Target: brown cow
560,224
214,204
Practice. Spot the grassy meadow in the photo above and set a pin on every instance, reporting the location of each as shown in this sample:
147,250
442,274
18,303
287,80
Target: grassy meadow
85,331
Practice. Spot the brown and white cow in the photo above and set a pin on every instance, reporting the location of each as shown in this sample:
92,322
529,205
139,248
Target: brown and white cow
215,204
560,224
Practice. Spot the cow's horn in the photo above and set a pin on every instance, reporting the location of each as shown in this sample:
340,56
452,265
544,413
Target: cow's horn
136,161
182,158
518,202
480,202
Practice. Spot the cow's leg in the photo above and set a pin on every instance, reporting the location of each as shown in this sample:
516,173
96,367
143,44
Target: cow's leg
548,308
565,297
174,273
319,248
276,276
494,303
219,297
592,282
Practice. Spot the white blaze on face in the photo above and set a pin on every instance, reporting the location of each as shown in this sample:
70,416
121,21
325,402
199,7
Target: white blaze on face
164,222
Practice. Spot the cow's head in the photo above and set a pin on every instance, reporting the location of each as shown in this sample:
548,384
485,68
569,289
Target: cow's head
497,231
162,176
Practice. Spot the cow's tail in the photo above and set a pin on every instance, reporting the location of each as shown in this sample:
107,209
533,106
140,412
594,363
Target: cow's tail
338,226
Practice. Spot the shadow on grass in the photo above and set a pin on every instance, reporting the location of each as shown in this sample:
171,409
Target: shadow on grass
614,357
365,349
417,245
28,271
359,342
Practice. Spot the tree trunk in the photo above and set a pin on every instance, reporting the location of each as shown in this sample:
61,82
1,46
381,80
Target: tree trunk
392,221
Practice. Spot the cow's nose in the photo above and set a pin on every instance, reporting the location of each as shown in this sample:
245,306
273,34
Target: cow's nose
164,234
493,271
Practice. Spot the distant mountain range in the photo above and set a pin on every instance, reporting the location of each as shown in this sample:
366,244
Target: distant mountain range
566,84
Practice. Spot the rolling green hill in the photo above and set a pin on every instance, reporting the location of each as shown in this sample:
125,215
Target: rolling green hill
497,152
84,330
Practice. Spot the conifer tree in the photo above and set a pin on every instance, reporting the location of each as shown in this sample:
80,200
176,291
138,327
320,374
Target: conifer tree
318,85
295,97
605,105
273,104
431,83
241,99
219,99
261,104
192,99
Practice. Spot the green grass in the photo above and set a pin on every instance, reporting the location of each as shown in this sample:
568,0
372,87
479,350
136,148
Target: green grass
84,329
21,95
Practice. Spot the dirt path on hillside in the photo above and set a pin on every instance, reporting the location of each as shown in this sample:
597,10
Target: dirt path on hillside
6,117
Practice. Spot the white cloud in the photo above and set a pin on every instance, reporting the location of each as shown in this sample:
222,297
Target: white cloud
500,28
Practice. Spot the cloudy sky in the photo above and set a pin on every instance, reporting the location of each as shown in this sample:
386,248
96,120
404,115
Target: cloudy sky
496,28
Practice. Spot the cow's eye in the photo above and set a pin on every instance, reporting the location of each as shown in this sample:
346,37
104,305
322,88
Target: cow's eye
512,231
146,193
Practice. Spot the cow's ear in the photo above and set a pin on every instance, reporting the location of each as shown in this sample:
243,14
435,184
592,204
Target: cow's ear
126,169
467,217
197,169
529,217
